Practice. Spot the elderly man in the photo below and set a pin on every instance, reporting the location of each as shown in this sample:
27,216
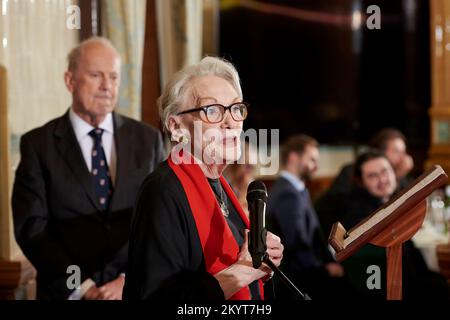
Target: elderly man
77,182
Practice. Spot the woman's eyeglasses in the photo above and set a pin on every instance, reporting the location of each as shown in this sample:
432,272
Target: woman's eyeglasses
214,113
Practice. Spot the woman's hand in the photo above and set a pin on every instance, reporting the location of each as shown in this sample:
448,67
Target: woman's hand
335,270
241,273
274,248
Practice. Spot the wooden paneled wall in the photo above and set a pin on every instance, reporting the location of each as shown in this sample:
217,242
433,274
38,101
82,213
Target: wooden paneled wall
439,152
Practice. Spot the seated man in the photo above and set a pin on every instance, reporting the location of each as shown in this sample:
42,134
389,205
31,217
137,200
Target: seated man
331,205
375,183
306,260
78,180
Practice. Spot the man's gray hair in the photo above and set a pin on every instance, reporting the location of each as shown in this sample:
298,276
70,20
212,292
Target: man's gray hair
179,87
74,55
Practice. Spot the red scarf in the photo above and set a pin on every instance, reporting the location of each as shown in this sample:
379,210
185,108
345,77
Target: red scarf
220,248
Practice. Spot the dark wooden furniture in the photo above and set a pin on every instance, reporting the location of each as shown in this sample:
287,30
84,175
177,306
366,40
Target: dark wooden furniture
391,225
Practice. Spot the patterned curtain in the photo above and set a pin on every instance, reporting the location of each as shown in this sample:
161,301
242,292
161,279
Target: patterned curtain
35,37
123,22
179,34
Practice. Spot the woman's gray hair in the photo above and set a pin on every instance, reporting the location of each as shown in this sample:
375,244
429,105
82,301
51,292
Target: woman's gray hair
176,91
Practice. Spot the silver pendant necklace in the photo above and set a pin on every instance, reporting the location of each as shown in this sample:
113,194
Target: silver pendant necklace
224,208
221,197
222,201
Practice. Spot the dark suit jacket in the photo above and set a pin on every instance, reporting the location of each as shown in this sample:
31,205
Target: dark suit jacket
58,220
291,216
335,203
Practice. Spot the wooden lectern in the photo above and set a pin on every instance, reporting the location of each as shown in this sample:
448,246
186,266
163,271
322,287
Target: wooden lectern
389,226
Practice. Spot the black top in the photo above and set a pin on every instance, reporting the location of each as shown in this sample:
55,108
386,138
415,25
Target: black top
360,206
236,225
234,221
165,255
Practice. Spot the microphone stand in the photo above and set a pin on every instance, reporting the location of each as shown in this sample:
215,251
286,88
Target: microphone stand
299,295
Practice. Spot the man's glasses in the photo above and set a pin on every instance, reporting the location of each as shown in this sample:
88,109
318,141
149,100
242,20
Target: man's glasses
214,113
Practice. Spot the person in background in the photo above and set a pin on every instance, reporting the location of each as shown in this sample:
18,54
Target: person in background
78,179
332,204
290,214
375,184
392,143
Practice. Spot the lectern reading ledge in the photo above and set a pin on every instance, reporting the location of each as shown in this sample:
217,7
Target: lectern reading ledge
392,224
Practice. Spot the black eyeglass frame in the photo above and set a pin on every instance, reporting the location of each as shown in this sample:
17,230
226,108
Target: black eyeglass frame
204,108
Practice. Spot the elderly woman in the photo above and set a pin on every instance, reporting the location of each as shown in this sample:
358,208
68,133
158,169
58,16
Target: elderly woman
189,233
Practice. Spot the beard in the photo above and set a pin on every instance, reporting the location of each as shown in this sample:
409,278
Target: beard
306,176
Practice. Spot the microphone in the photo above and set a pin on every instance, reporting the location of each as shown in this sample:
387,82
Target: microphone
256,199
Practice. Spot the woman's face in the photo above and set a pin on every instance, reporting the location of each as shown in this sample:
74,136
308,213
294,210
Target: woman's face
212,142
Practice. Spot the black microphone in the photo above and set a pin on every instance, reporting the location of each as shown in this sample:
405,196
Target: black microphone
256,199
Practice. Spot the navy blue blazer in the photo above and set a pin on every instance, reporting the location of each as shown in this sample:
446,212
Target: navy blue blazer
291,216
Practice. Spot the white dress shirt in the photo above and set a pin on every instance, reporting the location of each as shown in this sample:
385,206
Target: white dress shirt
86,143
293,179
82,129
